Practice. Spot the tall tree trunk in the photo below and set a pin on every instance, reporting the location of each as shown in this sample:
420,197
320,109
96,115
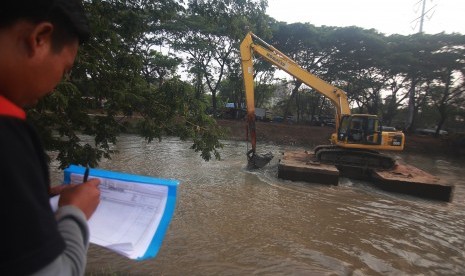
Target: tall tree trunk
409,126
293,93
214,102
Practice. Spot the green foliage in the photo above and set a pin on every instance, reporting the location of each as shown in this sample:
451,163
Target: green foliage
180,113
118,76
209,33
263,94
60,122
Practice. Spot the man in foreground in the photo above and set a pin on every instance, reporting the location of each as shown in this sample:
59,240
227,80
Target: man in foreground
39,40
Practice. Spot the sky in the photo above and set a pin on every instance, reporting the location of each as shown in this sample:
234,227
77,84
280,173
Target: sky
386,16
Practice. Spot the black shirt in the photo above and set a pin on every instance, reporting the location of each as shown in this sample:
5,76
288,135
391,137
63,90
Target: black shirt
29,232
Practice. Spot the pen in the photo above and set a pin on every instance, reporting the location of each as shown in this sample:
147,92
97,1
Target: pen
86,174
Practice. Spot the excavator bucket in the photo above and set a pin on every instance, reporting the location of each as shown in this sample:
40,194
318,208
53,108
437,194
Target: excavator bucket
257,161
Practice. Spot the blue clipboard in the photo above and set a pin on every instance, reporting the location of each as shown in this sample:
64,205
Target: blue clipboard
172,185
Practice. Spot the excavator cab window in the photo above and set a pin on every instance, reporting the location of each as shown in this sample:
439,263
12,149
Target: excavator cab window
357,130
373,131
360,130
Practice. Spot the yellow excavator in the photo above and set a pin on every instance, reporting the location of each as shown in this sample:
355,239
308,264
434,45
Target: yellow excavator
358,137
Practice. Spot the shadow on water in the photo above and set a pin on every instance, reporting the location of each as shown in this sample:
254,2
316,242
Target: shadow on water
232,221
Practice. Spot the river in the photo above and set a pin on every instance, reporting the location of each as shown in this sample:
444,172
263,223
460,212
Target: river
230,221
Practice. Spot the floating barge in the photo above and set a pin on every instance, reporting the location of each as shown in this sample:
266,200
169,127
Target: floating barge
405,179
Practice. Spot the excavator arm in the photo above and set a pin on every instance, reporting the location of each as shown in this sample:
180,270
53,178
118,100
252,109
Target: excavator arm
337,96
248,48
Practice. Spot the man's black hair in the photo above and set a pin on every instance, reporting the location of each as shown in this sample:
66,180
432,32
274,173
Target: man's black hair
67,16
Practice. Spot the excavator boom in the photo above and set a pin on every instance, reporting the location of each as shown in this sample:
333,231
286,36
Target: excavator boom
337,96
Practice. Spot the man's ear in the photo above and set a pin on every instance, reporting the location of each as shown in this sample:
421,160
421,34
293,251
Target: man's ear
39,40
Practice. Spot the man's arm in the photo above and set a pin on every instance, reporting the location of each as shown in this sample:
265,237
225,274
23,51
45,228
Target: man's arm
72,225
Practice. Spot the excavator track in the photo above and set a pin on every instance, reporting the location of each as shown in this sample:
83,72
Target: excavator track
366,159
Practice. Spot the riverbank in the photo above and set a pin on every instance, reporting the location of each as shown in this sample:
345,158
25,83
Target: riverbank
311,136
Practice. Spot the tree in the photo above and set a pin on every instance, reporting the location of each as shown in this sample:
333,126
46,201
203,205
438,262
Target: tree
393,101
113,73
208,34
208,53
173,109
358,65
158,67
449,88
309,47
414,57
230,90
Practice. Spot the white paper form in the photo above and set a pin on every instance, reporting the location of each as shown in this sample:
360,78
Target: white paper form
127,216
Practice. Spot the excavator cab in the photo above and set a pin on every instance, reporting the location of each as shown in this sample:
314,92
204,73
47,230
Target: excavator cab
360,129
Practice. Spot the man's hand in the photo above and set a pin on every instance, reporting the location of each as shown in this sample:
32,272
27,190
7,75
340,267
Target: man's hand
85,196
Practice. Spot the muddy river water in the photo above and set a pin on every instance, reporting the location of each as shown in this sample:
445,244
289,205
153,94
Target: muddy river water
230,221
